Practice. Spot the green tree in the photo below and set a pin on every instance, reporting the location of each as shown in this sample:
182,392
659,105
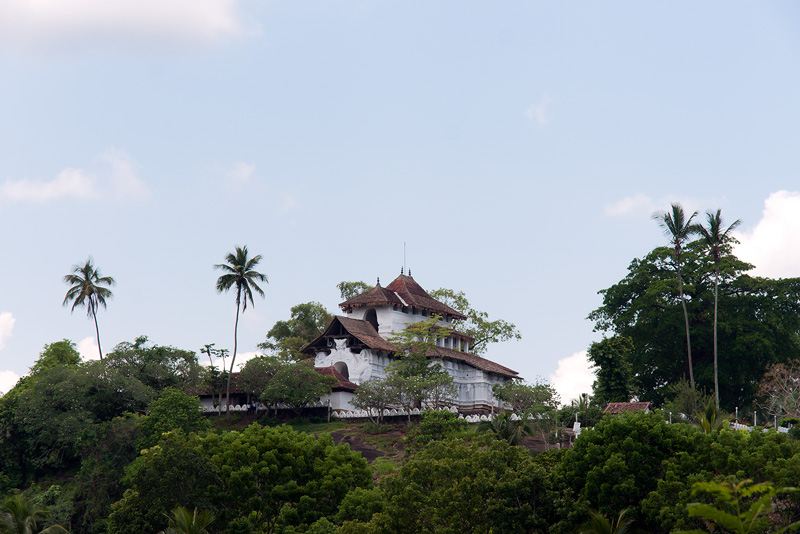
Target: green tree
348,290
276,478
759,317
710,419
296,385
721,456
477,325
64,406
87,288
174,473
451,487
613,465
183,521
600,524
374,396
104,455
19,516
735,517
435,425
507,427
613,369
539,402
286,338
537,398
156,366
172,410
57,353
717,240
240,274
257,373
679,228
417,375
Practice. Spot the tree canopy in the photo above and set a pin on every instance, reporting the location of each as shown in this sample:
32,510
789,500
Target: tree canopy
307,321
477,325
759,321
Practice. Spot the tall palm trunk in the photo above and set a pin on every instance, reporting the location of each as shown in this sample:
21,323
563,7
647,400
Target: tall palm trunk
233,359
716,299
686,320
97,331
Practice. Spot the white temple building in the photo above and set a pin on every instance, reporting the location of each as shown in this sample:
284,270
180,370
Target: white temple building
357,347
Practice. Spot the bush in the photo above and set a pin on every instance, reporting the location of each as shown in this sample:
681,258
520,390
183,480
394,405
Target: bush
435,425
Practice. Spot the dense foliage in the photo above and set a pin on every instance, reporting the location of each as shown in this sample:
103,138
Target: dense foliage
759,321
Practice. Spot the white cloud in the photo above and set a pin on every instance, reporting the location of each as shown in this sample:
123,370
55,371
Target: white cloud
573,376
243,357
125,183
7,380
538,112
773,245
87,348
240,173
116,179
6,328
55,23
75,183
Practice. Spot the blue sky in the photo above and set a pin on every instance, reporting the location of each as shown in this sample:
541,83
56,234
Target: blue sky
518,150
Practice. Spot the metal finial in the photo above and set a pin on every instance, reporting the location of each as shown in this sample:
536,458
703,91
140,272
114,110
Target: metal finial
409,271
379,280
401,270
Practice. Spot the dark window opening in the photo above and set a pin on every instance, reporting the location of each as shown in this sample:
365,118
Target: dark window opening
372,318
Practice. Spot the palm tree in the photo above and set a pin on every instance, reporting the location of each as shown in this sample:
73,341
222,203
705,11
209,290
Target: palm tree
239,273
19,516
600,524
185,522
87,290
678,228
710,419
505,427
716,240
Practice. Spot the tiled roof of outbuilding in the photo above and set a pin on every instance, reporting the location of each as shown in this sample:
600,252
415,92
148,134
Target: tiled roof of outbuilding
625,407
342,384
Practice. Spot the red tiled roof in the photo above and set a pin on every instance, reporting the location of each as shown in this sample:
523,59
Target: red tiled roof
625,407
403,291
364,332
342,384
341,326
475,361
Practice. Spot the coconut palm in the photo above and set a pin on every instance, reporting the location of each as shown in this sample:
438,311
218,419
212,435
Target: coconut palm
86,289
678,228
600,524
185,522
19,516
239,273
716,240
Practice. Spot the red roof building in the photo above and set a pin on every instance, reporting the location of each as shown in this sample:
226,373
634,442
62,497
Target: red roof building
358,347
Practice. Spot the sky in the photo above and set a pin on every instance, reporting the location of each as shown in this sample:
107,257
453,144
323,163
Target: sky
516,151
